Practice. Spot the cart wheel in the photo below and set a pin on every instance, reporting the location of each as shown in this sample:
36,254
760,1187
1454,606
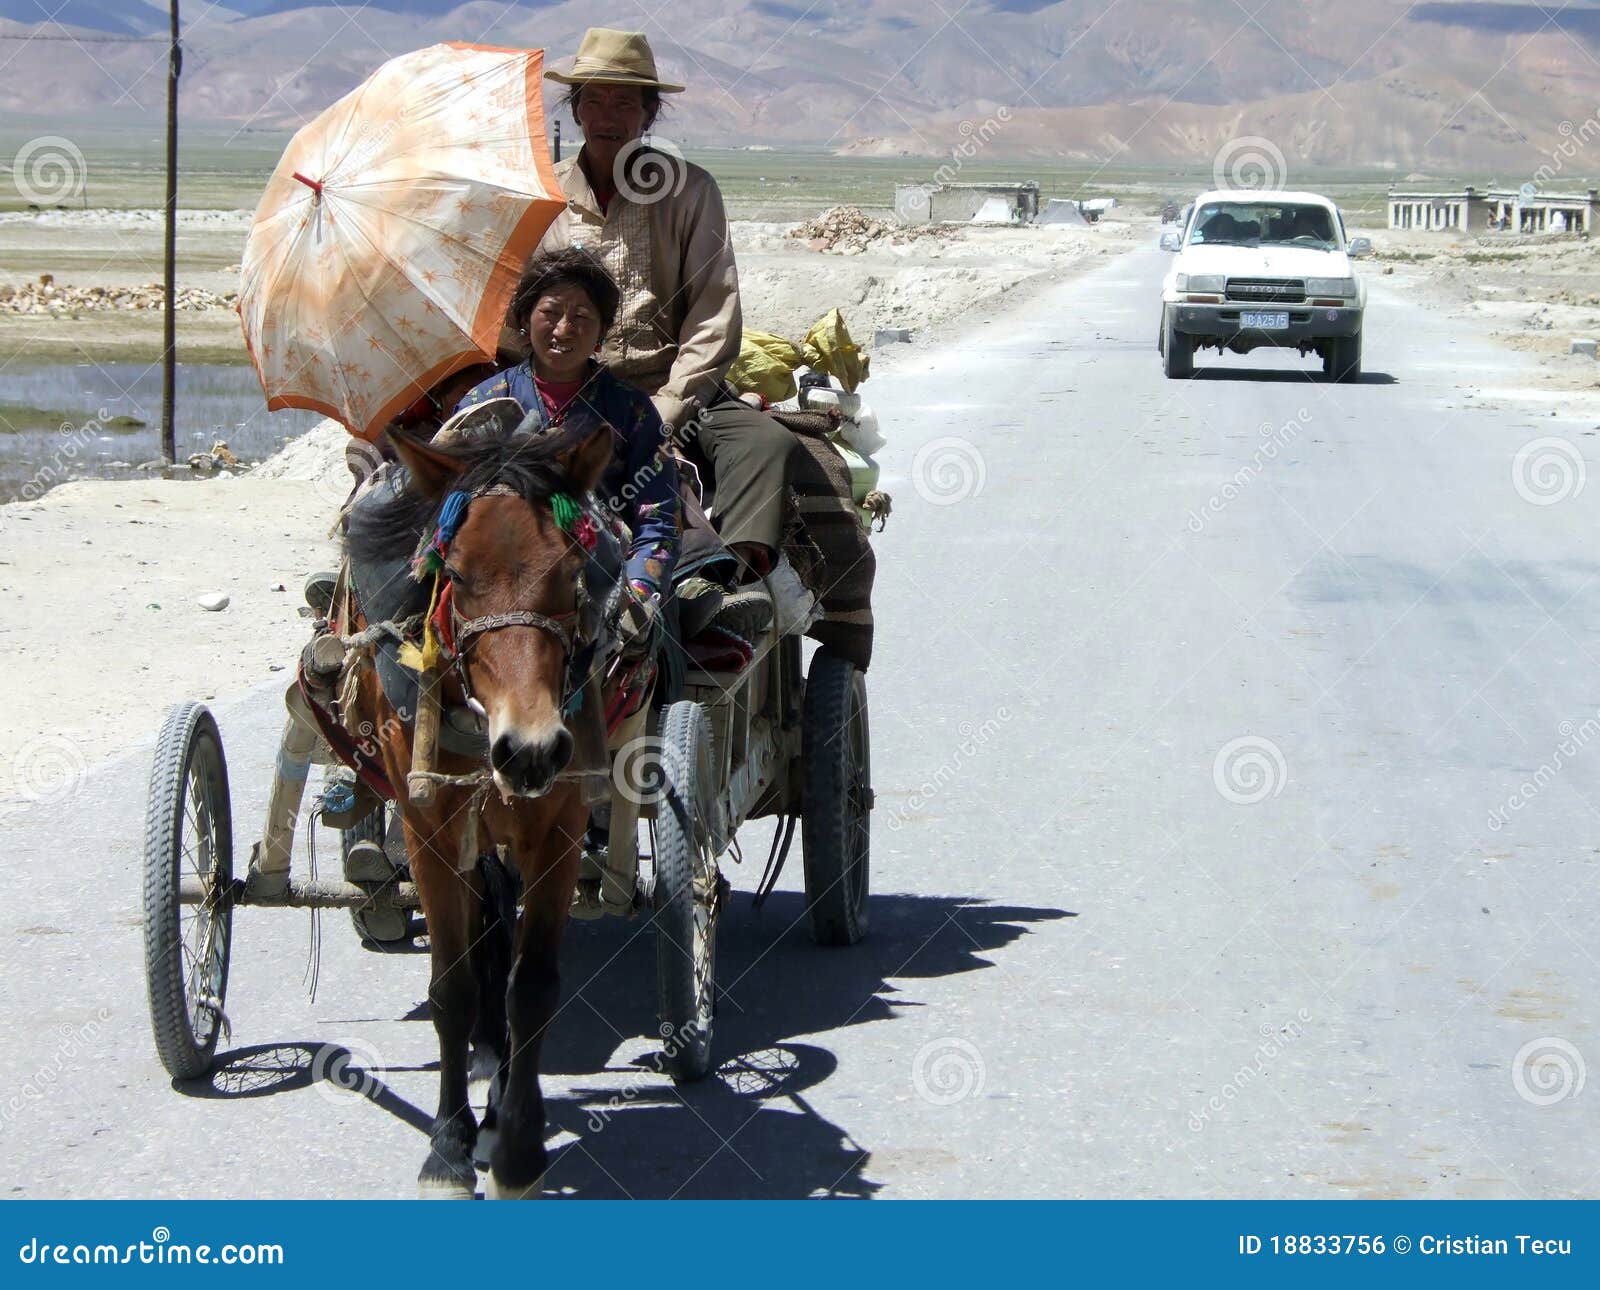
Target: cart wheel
686,895
381,926
835,813
188,834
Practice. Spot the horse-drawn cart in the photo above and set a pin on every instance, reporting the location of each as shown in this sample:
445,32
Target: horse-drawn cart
768,741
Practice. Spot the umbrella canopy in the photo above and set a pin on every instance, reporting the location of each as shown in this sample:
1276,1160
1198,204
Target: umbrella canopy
390,237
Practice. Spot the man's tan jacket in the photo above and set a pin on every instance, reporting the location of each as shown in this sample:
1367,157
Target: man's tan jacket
664,237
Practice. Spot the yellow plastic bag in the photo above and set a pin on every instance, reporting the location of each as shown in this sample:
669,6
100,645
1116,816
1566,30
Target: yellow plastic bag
828,348
765,366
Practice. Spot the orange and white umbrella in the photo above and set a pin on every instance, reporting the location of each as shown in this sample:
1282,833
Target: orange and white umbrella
391,235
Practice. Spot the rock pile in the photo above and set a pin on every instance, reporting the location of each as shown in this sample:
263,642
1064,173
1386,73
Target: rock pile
45,297
848,230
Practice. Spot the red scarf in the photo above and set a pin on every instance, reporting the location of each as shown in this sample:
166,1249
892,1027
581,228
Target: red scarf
556,395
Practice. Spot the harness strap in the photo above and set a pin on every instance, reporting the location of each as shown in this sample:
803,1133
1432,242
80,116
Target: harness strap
367,768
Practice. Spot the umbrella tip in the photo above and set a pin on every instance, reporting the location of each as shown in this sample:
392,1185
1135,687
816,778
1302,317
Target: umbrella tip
314,185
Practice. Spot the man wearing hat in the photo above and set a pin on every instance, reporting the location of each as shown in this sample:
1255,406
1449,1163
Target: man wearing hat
657,223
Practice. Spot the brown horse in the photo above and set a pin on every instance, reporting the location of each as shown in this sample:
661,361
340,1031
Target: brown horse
514,574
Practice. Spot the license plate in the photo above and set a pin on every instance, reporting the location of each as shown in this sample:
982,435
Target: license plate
1264,320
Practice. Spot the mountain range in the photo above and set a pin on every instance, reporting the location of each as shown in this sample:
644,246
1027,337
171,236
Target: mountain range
1464,85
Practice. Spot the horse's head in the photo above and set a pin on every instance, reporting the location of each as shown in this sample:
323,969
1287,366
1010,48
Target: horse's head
514,573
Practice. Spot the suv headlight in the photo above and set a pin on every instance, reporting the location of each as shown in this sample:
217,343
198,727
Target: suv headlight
1210,284
1330,286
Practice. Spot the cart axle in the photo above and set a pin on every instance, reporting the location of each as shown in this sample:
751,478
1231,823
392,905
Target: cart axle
311,895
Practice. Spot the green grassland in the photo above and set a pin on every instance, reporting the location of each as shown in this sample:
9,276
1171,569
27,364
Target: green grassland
223,167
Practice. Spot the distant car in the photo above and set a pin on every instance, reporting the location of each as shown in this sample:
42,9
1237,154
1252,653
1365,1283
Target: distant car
1263,268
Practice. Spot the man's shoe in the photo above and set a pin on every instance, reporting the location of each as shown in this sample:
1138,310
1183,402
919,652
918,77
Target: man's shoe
698,599
746,613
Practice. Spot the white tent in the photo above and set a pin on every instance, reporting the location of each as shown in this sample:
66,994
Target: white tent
1061,211
996,210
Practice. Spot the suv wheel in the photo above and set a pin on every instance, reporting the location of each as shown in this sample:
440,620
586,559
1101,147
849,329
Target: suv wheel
1177,350
1341,358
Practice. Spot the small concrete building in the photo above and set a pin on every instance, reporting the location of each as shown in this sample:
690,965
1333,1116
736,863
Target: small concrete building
1471,210
959,203
1466,209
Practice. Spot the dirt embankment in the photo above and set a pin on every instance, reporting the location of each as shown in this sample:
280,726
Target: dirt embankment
77,286
1533,295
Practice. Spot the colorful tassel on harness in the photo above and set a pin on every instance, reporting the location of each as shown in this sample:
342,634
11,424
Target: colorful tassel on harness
566,510
571,518
430,556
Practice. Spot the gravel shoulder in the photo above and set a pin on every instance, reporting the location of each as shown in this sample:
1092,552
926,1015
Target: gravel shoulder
1533,297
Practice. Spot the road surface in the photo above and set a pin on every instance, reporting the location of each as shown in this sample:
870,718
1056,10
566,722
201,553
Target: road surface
1205,719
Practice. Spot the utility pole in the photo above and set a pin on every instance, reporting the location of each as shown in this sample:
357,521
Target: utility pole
169,356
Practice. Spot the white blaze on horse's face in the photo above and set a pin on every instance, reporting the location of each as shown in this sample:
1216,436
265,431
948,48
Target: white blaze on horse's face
504,560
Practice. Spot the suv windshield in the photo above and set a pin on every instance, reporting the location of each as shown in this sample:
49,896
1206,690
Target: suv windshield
1263,224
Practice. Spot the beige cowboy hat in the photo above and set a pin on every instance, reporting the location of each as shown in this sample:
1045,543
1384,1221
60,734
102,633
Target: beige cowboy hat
615,58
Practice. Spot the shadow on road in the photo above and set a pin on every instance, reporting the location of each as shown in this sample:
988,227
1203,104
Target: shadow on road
263,1070
1310,376
748,1129
745,1130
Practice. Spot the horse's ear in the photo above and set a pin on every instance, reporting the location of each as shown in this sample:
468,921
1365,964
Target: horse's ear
433,473
587,462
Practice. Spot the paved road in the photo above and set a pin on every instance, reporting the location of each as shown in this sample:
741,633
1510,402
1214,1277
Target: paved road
1193,706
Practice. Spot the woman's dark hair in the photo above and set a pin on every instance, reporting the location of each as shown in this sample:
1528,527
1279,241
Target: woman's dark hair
568,267
652,103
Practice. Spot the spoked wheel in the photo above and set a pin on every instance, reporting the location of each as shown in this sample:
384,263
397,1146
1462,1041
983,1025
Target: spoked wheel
381,925
836,809
188,840
686,893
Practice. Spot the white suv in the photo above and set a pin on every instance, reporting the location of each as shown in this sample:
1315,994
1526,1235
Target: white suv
1263,268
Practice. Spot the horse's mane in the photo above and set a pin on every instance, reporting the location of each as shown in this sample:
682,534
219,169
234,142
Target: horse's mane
527,463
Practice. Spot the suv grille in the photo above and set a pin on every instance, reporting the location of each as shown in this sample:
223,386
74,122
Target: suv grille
1288,291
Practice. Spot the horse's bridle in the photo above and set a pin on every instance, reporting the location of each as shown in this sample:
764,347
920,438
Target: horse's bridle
565,628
